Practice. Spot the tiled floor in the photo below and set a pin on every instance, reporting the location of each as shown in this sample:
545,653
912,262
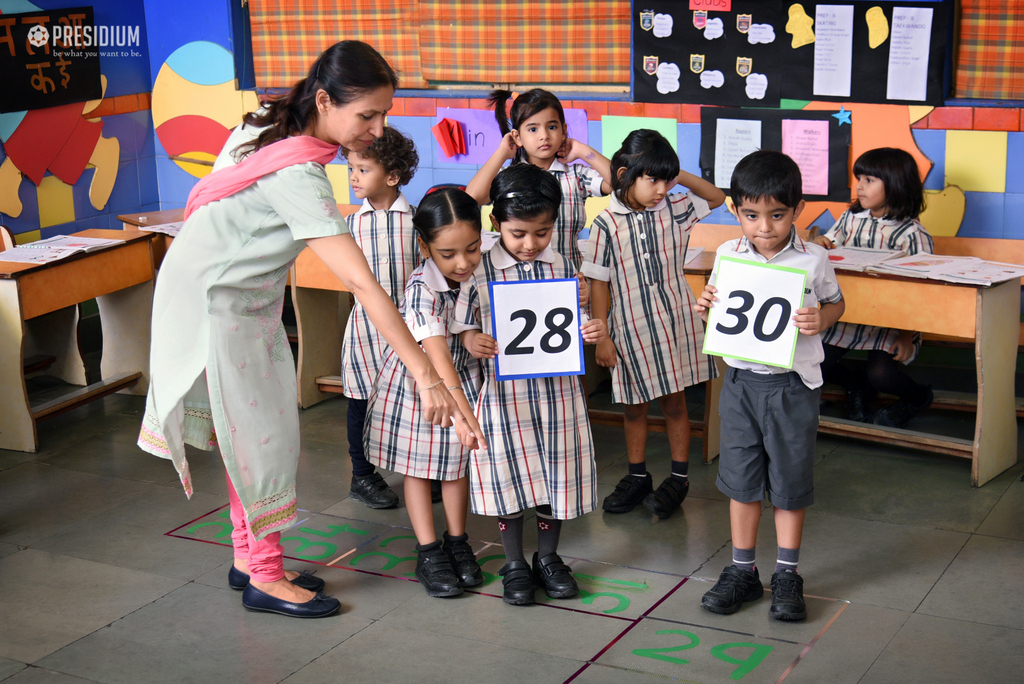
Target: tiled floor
108,574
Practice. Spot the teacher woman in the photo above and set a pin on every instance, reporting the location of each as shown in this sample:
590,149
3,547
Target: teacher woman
222,373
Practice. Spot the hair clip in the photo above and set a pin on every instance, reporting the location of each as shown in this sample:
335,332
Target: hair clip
510,195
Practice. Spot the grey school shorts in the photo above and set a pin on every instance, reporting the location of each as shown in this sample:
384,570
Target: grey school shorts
769,426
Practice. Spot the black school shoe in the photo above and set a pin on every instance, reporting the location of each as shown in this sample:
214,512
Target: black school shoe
435,491
436,574
239,580
630,491
857,405
899,413
317,607
733,588
463,560
373,491
669,496
517,580
554,575
788,596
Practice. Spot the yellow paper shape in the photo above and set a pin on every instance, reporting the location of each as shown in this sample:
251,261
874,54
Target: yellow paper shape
56,203
976,160
918,112
799,26
594,206
338,175
93,104
104,159
878,27
943,211
10,179
197,170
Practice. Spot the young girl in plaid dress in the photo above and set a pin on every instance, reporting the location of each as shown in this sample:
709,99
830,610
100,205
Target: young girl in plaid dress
635,259
890,197
540,452
397,437
537,135
384,232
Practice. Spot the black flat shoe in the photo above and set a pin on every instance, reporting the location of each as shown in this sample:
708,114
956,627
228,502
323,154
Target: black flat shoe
554,575
669,496
462,558
238,580
630,491
517,580
436,574
857,405
317,607
373,491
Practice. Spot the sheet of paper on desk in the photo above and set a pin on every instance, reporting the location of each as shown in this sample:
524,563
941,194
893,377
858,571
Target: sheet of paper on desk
73,243
31,255
171,229
981,273
924,265
858,258
691,254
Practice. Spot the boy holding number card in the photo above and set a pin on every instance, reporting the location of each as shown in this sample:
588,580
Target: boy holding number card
769,414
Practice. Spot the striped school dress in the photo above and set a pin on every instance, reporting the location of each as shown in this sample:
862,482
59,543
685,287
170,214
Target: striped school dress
396,437
657,333
578,183
541,448
865,231
388,240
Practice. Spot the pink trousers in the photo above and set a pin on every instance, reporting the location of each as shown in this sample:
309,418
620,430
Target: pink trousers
266,556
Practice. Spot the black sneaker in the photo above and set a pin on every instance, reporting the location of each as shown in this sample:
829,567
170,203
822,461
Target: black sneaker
664,500
733,588
630,491
788,596
899,413
373,491
435,572
435,491
554,575
517,580
857,405
462,558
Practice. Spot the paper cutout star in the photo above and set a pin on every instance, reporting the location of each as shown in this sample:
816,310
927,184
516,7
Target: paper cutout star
843,115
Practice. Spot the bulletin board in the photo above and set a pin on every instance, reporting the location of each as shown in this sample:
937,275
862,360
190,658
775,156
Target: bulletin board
762,51
819,141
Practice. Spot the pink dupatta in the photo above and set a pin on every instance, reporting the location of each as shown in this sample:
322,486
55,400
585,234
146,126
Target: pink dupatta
225,182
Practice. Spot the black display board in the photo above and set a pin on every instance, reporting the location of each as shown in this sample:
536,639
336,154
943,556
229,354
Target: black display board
771,139
789,70
49,58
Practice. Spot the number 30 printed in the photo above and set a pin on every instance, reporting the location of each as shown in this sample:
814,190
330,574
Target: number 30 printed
740,313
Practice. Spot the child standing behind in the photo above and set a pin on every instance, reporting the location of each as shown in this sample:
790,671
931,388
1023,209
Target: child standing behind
635,260
383,229
890,197
769,414
537,135
540,450
397,437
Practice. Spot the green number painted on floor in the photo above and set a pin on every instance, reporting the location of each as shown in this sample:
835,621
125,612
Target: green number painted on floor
588,599
625,584
392,560
334,531
307,544
747,665
387,541
225,528
659,653
489,577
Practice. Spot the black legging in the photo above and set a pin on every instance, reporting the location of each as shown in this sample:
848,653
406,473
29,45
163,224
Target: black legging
882,374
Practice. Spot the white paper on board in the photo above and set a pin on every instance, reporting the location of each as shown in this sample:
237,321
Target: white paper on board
662,25
761,33
757,86
712,79
715,28
833,50
668,77
539,322
734,140
908,54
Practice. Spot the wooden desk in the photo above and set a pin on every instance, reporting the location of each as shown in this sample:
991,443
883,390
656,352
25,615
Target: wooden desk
39,315
161,242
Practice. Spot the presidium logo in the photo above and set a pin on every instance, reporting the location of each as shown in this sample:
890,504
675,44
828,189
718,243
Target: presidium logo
80,36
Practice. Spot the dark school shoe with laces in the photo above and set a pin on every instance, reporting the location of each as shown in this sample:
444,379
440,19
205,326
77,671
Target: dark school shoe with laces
899,413
555,576
788,596
238,580
669,496
436,574
463,560
629,492
518,584
319,606
733,588
857,405
373,491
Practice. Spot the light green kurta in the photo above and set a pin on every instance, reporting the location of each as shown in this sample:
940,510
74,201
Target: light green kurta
219,351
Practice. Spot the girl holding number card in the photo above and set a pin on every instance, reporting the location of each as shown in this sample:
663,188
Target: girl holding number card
540,451
635,260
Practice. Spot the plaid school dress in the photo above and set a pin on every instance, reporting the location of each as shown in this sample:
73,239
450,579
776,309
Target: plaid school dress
540,447
388,240
396,436
865,231
657,334
578,182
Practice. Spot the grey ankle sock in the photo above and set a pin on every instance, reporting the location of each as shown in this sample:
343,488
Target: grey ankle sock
548,531
787,559
743,558
512,537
